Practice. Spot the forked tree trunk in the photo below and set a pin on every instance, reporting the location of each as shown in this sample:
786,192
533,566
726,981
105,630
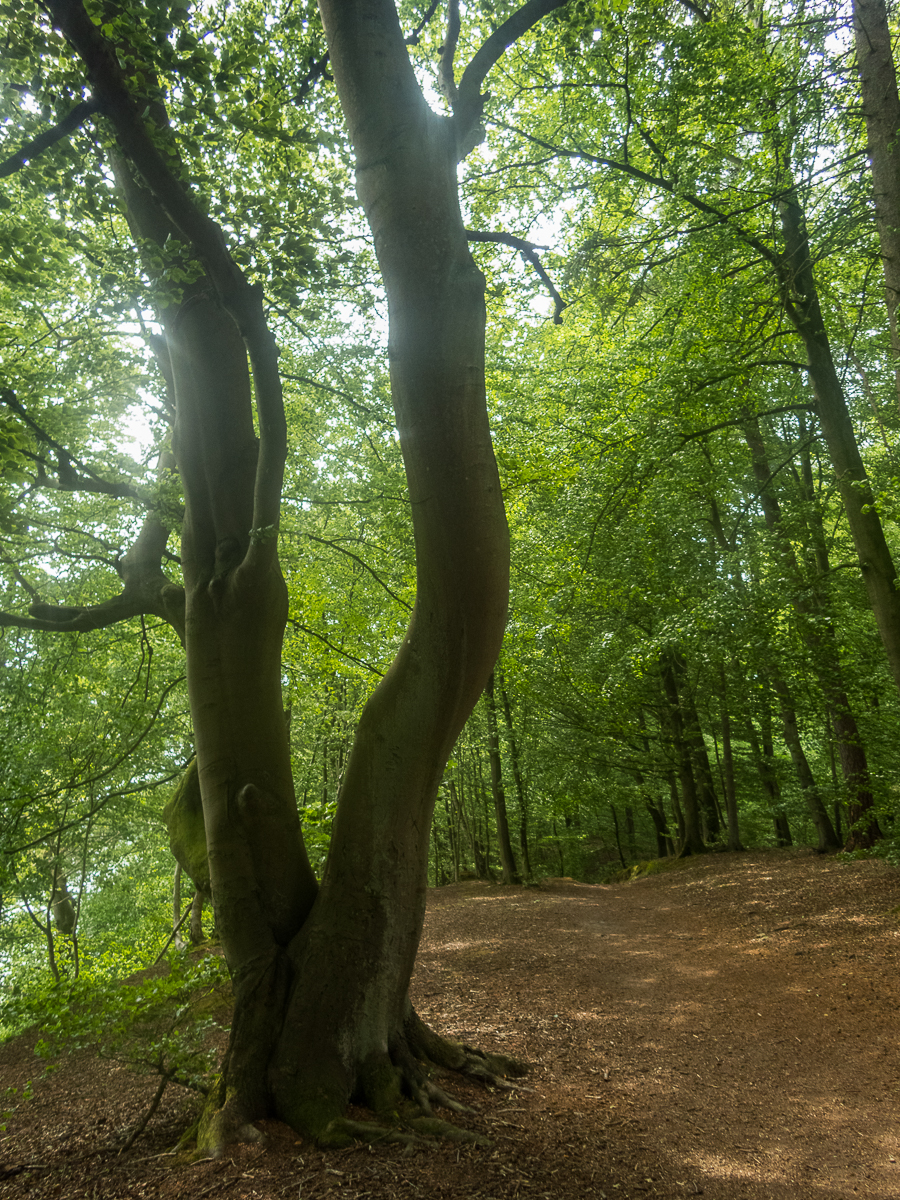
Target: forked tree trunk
349,1030
321,975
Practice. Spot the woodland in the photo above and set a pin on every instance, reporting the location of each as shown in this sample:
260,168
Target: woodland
437,442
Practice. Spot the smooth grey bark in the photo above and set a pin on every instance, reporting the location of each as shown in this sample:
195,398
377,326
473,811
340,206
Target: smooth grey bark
881,107
350,1032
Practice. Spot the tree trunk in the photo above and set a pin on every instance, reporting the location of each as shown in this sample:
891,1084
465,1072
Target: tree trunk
517,777
678,812
176,908
196,918
708,800
765,765
349,1031
875,562
508,867
630,837
320,976
663,839
734,834
881,106
827,838
692,840
615,818
817,631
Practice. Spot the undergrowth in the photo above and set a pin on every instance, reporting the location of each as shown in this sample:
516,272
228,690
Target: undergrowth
161,1022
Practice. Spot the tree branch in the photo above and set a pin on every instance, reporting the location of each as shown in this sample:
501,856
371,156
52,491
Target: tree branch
361,562
470,101
317,70
31,150
770,412
446,79
243,301
528,251
343,394
337,649
69,480
667,185
413,39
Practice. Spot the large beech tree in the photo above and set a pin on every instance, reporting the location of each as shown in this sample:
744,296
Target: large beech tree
320,971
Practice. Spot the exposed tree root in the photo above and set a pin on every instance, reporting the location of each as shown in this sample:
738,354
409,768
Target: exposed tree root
414,1056
398,1087
412,1132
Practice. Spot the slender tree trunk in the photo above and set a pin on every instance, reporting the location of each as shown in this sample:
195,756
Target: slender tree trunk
765,765
693,731
510,873
692,840
481,791
709,802
195,921
734,835
678,812
517,777
630,838
176,907
615,817
881,106
559,850
664,846
827,838
817,631
875,561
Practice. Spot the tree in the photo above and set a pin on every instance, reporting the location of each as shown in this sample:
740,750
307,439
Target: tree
320,973
881,103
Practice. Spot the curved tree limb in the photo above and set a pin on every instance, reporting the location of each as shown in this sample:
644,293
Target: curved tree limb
242,300
30,151
529,252
67,466
470,101
361,561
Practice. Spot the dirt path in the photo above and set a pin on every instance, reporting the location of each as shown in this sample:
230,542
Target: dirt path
728,1029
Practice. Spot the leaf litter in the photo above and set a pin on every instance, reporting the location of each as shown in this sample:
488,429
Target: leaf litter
726,1029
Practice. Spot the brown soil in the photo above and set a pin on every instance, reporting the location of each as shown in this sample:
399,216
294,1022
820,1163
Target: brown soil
728,1029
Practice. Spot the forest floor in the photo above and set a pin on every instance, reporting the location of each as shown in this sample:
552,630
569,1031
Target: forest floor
726,1029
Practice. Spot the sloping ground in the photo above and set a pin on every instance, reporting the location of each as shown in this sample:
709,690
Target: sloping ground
727,1029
